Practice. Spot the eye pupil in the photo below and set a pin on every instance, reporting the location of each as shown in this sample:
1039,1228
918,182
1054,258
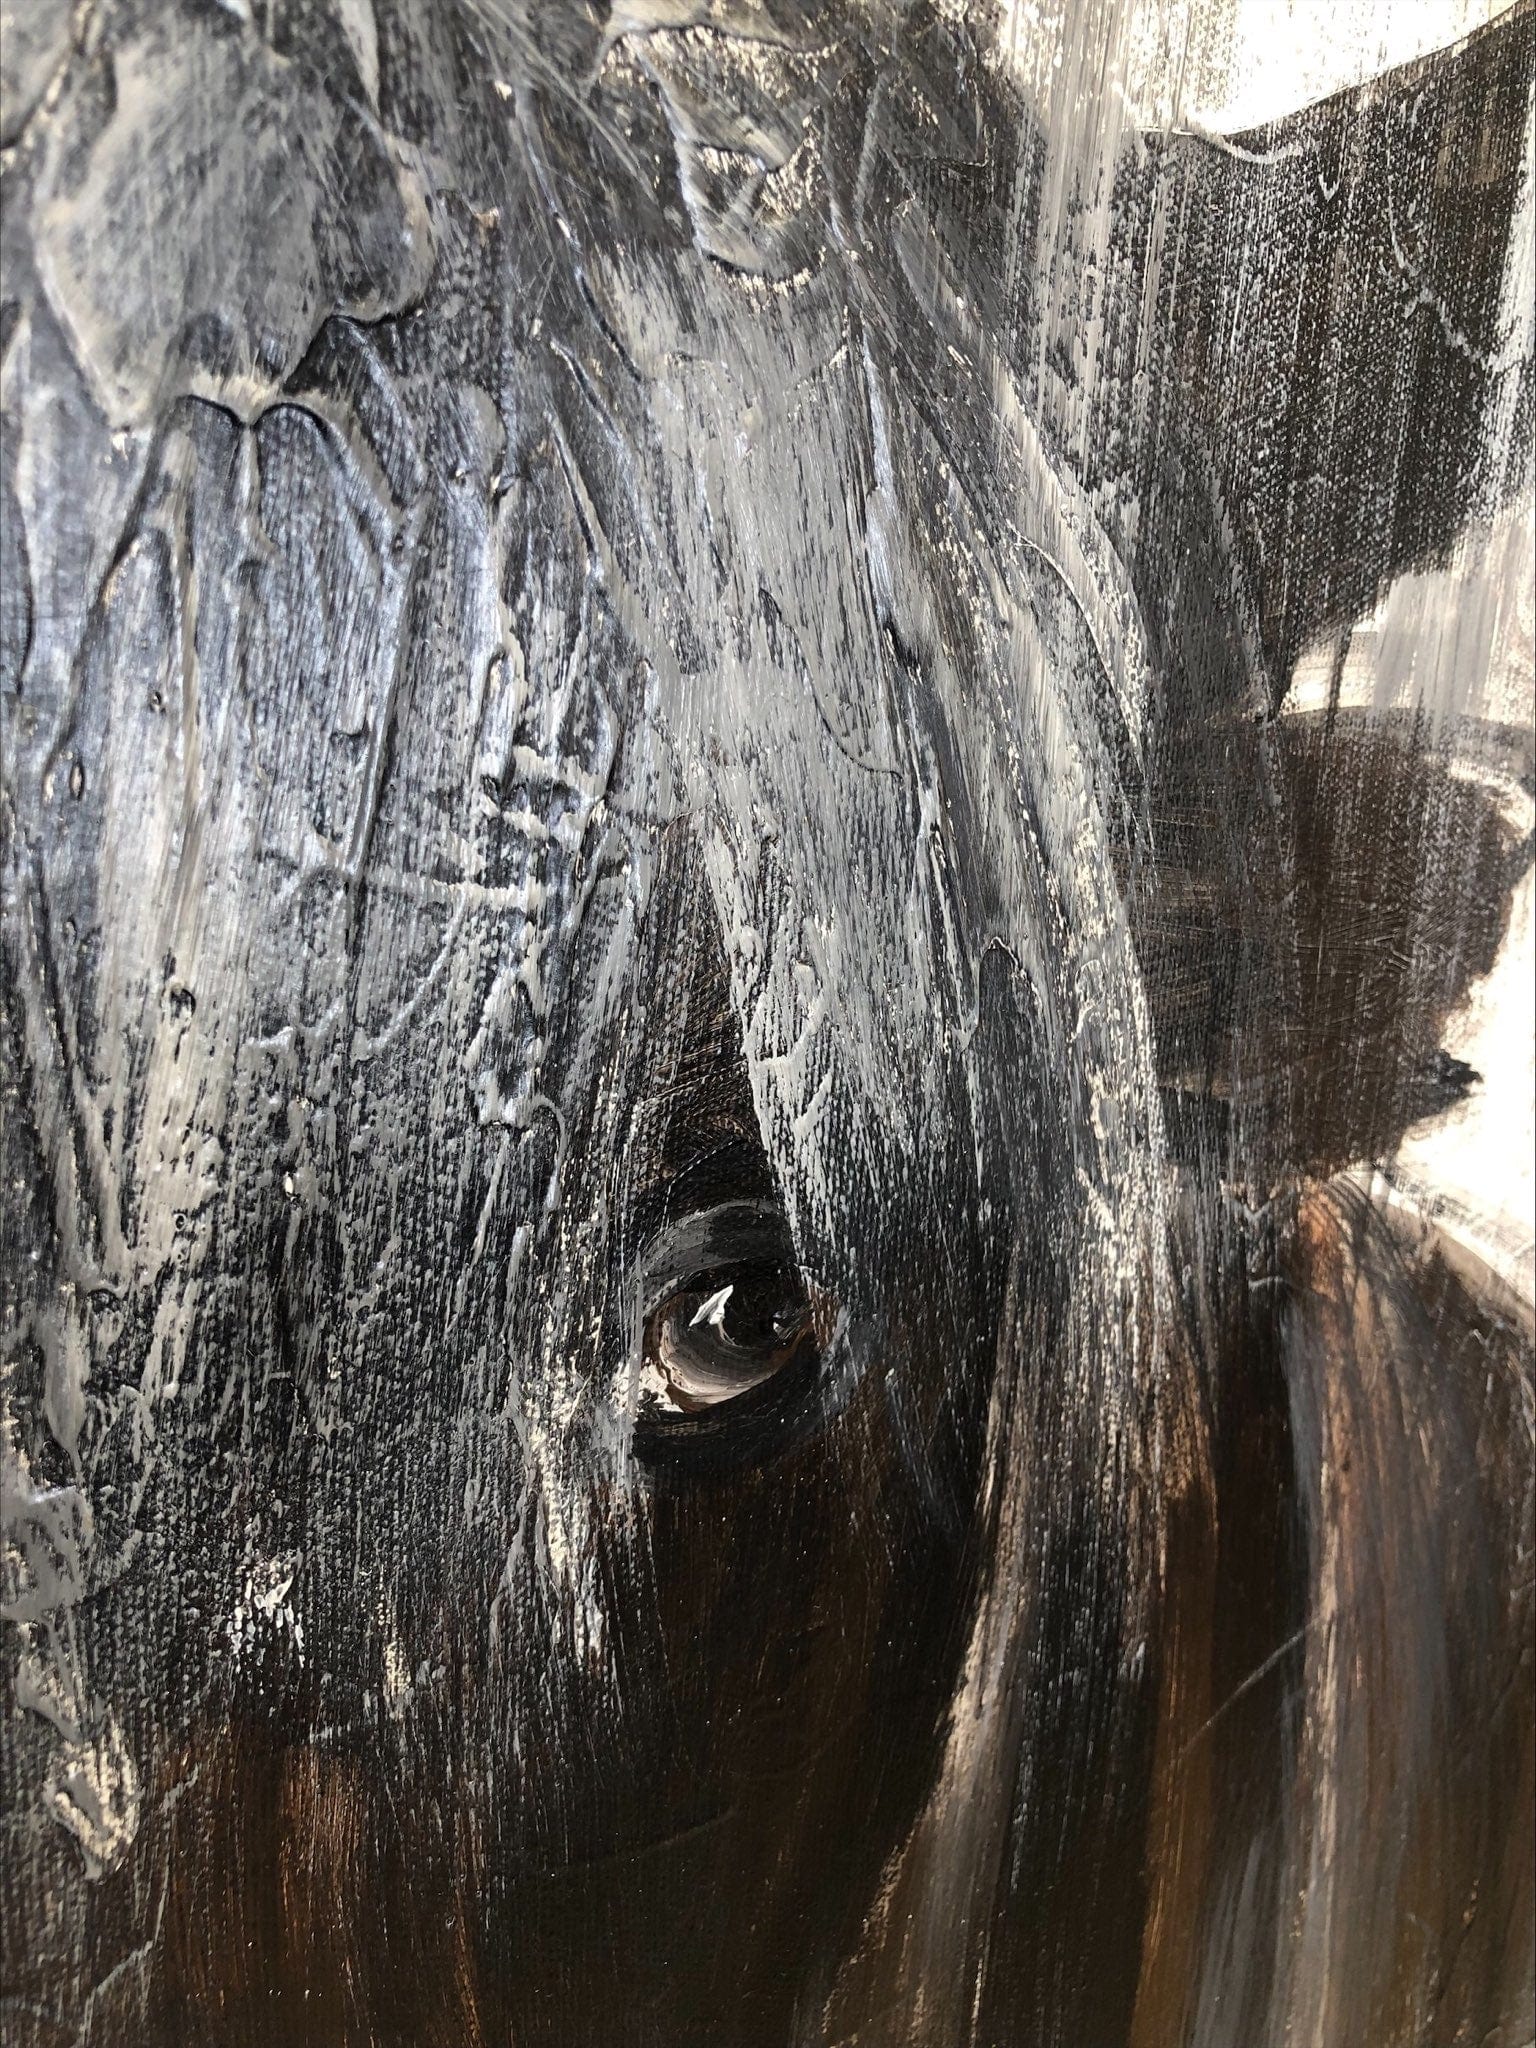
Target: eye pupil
753,1310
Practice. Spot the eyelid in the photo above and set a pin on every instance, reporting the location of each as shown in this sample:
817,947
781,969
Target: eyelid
732,1233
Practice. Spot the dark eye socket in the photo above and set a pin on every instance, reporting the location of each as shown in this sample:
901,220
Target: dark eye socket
733,1331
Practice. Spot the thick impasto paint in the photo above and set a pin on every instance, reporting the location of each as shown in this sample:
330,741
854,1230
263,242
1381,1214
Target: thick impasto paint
764,763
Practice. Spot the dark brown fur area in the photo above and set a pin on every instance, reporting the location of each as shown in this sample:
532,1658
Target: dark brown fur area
310,1903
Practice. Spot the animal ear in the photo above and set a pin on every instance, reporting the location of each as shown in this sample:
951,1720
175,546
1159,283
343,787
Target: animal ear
1297,377
1329,385
1332,334
1290,352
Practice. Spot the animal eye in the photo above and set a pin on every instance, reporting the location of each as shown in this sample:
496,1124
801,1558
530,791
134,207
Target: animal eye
724,1333
732,1333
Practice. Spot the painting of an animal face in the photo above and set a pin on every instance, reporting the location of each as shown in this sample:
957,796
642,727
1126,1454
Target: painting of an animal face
765,1246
